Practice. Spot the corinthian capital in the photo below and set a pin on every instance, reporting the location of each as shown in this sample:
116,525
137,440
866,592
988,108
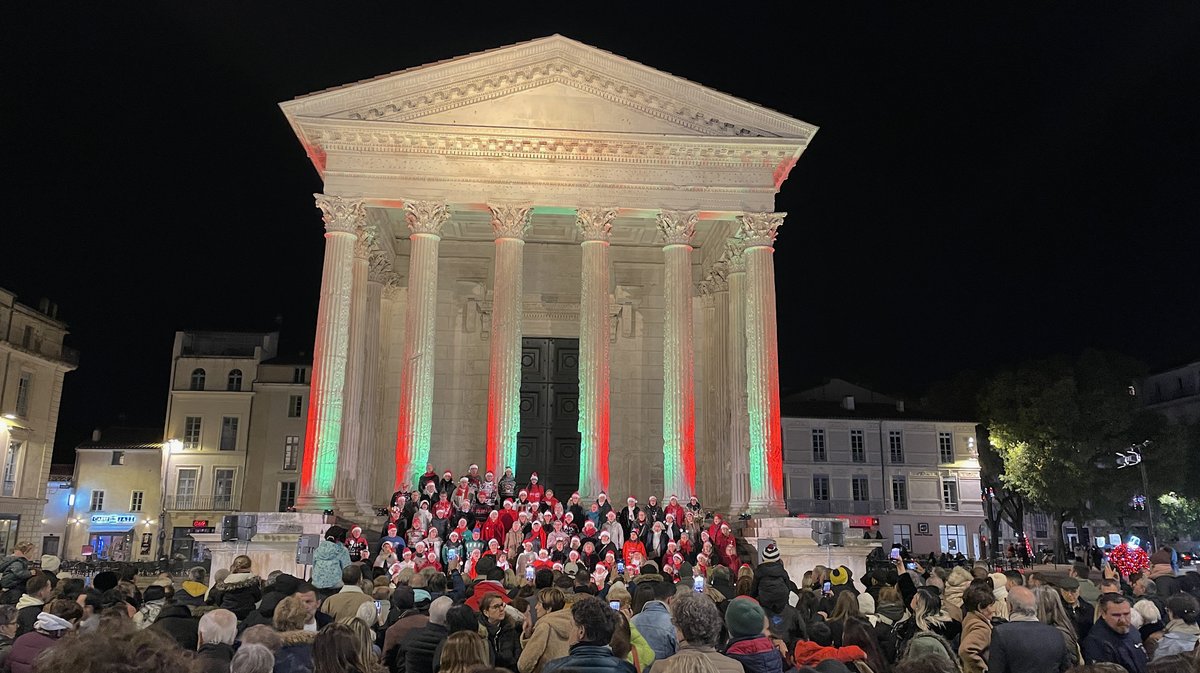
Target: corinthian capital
717,276
758,229
365,241
392,286
340,214
426,217
510,221
379,265
677,226
595,224
734,256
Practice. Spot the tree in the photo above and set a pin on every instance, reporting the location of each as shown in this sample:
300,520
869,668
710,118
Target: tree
1179,515
1056,425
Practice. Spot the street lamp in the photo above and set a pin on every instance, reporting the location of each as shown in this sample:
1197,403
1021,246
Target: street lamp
171,446
1133,456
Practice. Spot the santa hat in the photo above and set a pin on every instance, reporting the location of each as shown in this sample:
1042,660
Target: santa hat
558,567
386,544
543,553
473,467
508,503
447,473
575,494
454,536
431,556
463,479
356,531
674,498
573,555
394,569
406,554
489,473
493,543
604,534
533,476
421,547
523,493
537,523
392,526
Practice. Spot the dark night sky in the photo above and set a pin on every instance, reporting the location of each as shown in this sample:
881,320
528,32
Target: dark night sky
984,187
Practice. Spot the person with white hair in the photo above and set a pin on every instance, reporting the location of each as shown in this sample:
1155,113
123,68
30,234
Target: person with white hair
252,658
217,632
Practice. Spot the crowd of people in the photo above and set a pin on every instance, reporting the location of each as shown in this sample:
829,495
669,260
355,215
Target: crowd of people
626,613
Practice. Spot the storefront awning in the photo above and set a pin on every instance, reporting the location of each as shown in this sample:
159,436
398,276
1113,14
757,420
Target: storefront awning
111,523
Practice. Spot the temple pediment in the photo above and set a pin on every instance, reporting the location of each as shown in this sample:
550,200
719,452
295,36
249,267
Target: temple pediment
549,83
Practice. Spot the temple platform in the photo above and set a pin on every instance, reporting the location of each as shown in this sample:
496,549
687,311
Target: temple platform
799,552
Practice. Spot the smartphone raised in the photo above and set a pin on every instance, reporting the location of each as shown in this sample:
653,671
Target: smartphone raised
910,565
615,605
620,567
827,587
698,583
529,572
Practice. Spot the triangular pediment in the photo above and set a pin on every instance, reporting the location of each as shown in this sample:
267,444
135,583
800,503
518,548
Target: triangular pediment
549,83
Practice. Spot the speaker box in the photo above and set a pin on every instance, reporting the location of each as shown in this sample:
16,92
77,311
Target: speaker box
239,527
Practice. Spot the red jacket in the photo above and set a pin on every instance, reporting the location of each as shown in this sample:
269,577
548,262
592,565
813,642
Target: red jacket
535,492
630,547
677,511
494,530
809,653
487,587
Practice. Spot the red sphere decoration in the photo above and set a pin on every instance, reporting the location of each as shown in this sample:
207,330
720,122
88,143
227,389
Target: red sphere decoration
1128,559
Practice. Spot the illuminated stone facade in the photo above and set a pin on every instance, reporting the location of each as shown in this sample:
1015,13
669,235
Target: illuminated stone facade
522,199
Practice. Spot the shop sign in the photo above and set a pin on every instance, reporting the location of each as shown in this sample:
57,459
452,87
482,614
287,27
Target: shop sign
199,523
202,529
113,519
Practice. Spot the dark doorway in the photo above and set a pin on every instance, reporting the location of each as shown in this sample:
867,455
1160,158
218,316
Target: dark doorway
549,439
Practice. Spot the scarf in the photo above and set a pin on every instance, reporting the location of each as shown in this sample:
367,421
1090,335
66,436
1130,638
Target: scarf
48,622
1181,627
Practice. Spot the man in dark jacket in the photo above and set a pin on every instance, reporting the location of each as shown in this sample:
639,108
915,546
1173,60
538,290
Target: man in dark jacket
177,621
1113,638
417,651
32,602
1025,645
14,572
1080,610
595,623
771,573
217,631
772,588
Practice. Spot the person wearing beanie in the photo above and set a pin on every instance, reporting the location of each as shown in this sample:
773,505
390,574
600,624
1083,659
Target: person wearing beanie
50,565
748,643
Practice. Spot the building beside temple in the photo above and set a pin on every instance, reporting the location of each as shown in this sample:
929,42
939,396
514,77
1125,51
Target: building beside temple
550,258
856,454
33,363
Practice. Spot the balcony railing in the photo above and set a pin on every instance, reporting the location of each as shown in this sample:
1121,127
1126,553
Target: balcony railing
809,506
203,503
47,349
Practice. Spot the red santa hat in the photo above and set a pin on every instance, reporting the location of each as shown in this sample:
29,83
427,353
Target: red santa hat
493,543
533,476
447,473
356,531
522,493
674,498
473,467
604,534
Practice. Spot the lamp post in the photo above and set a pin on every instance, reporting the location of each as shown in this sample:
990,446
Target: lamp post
1133,456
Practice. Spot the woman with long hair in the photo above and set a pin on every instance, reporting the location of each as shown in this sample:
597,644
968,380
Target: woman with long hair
339,648
1050,610
463,651
844,609
860,633
926,615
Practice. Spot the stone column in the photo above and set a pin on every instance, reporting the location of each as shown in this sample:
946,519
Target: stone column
509,223
342,218
595,225
762,364
387,475
679,403
425,220
739,417
715,478
350,447
379,268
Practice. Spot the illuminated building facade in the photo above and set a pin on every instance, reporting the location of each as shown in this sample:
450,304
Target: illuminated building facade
549,258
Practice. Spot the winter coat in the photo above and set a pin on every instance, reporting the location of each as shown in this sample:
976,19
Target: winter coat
191,593
14,571
1027,647
1177,638
238,593
808,653
974,642
589,658
28,608
654,622
177,622
720,662
25,650
504,639
771,585
787,625
1104,644
419,648
345,602
756,654
214,657
952,597
397,634
296,655
483,588
1164,578
328,561
549,641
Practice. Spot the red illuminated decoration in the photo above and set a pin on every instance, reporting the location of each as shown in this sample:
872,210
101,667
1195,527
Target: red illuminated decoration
1129,559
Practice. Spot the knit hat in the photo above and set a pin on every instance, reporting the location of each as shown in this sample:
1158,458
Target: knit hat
1160,557
866,603
839,575
104,581
771,553
999,586
744,617
50,563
